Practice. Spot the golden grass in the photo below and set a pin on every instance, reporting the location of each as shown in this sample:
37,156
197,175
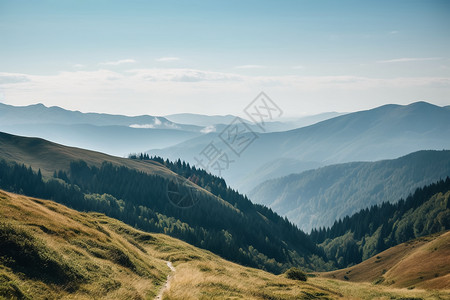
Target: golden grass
82,242
115,261
420,263
365,290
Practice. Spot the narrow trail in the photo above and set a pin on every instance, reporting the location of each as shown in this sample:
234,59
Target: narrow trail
166,285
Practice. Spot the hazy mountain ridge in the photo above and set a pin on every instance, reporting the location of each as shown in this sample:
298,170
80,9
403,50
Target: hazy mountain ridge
112,139
117,134
112,134
319,197
220,121
41,114
385,132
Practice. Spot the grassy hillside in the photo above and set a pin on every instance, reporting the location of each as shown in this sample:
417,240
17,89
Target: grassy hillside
318,197
137,192
48,156
50,251
54,252
420,263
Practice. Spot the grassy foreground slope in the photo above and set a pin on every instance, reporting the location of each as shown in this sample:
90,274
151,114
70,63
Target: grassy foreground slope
420,263
49,251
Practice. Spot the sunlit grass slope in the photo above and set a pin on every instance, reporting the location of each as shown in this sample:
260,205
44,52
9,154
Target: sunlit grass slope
421,263
50,157
49,251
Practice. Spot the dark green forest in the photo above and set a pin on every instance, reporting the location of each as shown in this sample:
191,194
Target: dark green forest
234,228
360,236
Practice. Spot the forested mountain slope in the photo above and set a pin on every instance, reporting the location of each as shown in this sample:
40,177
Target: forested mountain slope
318,197
354,239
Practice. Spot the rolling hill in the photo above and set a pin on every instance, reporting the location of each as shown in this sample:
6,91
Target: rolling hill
318,197
140,193
52,252
384,132
49,157
420,263
88,255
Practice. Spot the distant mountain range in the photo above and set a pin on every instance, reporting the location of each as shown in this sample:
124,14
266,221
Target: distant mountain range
117,134
386,132
113,134
318,197
276,125
200,120
41,114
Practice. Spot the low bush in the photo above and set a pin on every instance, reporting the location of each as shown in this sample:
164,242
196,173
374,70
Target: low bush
296,274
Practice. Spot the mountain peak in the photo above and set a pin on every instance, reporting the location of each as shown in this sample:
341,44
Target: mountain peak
421,104
38,105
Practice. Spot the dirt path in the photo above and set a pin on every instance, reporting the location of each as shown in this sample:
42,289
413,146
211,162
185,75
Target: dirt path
167,284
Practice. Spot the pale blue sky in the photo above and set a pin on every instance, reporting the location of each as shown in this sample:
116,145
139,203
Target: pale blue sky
173,56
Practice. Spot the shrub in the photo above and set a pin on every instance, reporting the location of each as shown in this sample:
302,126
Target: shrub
296,274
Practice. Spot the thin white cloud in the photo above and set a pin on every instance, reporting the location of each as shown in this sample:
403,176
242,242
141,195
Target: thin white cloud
169,58
298,67
11,78
166,91
157,122
407,59
144,126
250,67
182,75
78,66
118,62
208,129
394,32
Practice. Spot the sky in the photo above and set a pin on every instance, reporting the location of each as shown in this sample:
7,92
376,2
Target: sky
215,57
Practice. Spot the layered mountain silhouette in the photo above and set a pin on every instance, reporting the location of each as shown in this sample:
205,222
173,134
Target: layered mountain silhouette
317,198
385,132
